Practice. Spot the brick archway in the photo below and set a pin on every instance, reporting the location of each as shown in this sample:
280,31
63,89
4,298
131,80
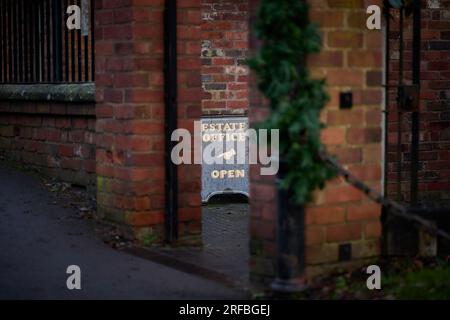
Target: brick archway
342,226
131,116
125,129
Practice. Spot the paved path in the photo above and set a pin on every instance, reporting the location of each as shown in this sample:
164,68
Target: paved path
225,243
40,239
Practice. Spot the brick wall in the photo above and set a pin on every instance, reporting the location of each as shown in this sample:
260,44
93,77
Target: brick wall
263,194
224,50
351,60
434,174
57,139
130,113
189,110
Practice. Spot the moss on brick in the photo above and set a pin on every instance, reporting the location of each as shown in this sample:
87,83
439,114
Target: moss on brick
84,92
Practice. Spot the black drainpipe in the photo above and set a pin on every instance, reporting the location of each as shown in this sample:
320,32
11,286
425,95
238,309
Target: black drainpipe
290,241
170,75
387,60
415,119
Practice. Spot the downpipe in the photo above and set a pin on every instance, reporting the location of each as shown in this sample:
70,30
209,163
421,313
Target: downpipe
290,241
170,91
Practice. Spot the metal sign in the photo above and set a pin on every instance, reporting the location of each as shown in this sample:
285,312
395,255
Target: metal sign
229,173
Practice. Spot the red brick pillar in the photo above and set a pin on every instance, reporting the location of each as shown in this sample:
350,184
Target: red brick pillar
130,114
189,110
343,225
340,217
263,193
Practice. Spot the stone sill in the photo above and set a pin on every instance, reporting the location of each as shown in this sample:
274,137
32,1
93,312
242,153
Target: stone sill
76,92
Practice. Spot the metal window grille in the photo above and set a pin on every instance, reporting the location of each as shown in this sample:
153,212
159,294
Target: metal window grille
36,46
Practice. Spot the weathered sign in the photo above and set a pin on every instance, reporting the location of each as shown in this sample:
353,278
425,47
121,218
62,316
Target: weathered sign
226,169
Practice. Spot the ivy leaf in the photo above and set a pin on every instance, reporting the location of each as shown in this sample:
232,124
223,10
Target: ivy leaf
296,100
397,4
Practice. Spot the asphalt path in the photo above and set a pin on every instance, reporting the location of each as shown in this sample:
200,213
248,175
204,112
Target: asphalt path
40,238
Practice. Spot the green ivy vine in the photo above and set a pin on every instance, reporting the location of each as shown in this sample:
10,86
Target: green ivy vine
287,37
407,5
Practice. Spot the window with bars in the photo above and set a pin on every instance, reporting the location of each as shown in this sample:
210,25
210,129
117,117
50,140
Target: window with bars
36,46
